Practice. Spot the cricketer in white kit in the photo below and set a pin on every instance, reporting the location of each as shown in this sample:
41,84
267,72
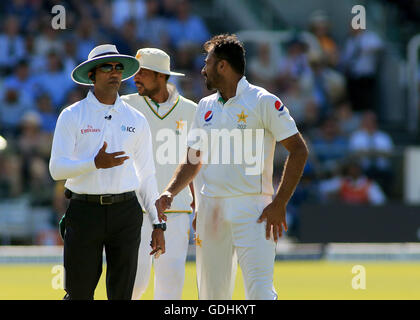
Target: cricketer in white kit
169,115
238,220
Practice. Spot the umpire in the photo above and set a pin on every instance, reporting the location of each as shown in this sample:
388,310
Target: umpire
102,147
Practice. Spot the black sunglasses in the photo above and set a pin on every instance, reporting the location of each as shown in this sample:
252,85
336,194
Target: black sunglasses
107,67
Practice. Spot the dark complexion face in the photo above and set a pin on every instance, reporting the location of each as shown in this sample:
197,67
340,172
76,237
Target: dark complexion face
210,72
107,81
146,82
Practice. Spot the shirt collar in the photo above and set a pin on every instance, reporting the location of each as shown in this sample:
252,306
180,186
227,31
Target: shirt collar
168,104
92,100
241,86
173,94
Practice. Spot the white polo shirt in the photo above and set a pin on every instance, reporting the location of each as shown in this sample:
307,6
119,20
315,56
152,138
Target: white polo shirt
81,131
255,119
169,124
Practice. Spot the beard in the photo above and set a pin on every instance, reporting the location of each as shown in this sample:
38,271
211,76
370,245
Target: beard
143,91
211,84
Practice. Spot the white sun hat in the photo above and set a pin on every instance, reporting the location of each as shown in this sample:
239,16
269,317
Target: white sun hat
101,54
156,60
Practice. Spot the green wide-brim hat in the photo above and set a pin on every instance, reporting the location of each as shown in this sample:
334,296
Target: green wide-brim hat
102,54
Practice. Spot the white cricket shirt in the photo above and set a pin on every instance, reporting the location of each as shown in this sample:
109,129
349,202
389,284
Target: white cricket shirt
81,131
254,119
169,123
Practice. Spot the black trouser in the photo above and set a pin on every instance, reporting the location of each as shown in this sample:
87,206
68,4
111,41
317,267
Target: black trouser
89,228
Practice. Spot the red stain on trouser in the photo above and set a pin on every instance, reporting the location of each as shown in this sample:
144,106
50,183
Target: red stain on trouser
216,218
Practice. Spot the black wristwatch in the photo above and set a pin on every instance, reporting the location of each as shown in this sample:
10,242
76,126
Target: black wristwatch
160,226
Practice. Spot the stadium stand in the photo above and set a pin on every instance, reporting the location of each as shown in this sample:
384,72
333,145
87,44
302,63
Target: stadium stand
303,54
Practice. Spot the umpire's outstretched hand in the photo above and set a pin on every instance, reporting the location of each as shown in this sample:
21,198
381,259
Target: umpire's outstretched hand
105,160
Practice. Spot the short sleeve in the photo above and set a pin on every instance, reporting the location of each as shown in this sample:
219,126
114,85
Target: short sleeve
276,118
194,138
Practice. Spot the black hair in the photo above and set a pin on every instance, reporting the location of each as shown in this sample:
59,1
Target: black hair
228,47
167,76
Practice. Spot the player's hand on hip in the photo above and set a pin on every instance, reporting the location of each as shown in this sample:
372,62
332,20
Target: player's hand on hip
104,160
275,216
157,243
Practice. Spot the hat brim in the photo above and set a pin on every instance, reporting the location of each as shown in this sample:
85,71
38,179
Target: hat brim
171,73
80,73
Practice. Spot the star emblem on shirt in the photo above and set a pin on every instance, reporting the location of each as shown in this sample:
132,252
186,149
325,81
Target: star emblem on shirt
198,241
242,117
180,124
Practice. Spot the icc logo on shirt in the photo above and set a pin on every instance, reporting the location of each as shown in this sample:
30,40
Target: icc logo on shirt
128,129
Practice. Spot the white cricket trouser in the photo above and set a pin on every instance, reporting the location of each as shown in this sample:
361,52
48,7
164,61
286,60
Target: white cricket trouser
170,266
227,232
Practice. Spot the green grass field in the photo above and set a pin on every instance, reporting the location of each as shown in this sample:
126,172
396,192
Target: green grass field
292,280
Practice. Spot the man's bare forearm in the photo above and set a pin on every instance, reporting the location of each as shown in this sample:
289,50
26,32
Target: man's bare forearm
292,172
183,176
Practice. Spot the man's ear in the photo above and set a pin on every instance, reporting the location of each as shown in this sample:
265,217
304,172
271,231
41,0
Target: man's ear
221,65
91,76
163,77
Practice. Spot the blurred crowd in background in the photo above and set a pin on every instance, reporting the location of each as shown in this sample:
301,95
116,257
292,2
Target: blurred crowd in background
331,92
